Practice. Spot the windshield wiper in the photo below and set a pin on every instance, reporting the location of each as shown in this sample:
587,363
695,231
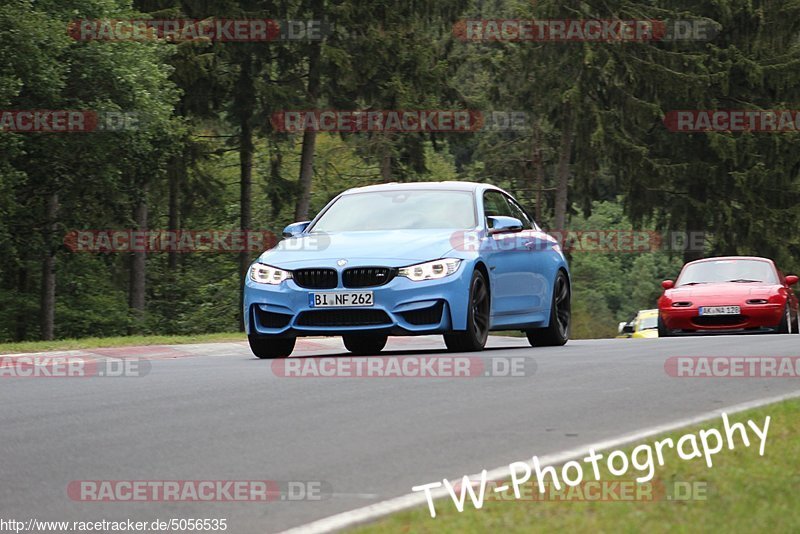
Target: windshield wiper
744,280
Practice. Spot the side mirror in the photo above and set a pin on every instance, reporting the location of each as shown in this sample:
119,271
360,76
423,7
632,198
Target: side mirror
621,326
628,328
295,229
667,284
791,279
499,224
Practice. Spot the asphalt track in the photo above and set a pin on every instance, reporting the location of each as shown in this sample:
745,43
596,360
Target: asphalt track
213,412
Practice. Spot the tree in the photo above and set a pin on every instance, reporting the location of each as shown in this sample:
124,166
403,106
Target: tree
60,173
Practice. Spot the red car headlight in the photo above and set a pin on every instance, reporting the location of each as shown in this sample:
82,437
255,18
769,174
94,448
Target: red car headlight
776,299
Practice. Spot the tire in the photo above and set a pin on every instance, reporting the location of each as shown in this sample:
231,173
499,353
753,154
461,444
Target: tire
796,323
662,329
478,311
557,333
365,344
785,326
269,348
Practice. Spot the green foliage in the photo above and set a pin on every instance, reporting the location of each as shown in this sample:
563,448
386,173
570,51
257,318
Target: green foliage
626,170
609,287
591,318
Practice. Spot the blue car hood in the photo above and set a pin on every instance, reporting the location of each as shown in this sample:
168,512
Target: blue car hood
394,248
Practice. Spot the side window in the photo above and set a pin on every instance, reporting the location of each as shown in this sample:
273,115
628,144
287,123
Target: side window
519,213
494,204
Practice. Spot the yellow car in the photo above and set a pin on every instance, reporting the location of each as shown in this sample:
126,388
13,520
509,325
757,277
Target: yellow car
644,325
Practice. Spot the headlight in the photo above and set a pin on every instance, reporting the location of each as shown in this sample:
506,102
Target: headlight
431,270
261,273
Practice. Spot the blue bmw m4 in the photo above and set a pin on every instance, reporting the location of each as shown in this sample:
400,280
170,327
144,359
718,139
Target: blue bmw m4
451,258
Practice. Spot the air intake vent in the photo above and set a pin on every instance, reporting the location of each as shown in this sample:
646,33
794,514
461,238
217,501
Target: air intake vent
343,318
367,276
432,315
719,320
316,278
272,319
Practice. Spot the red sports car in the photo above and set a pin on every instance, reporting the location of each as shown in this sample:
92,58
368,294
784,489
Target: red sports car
728,295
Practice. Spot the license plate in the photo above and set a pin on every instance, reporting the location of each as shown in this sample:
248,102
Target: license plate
341,299
719,310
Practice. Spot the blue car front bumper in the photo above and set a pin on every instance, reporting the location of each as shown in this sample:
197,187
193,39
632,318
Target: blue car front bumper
400,307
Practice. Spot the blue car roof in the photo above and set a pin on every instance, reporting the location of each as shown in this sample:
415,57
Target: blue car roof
448,186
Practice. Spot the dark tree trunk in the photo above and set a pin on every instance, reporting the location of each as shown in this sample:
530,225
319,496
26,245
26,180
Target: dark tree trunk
246,188
136,299
48,303
21,318
246,99
306,175
538,170
386,166
275,165
309,136
695,220
563,171
176,170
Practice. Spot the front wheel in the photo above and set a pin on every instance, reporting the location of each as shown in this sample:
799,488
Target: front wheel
364,345
269,348
662,329
785,326
477,332
557,333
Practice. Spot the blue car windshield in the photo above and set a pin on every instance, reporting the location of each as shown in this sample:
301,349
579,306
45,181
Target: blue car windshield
413,209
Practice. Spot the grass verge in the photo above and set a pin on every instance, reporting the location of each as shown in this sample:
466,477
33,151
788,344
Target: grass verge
744,492
122,341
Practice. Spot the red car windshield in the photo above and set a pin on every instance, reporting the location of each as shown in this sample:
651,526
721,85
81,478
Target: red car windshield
715,271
